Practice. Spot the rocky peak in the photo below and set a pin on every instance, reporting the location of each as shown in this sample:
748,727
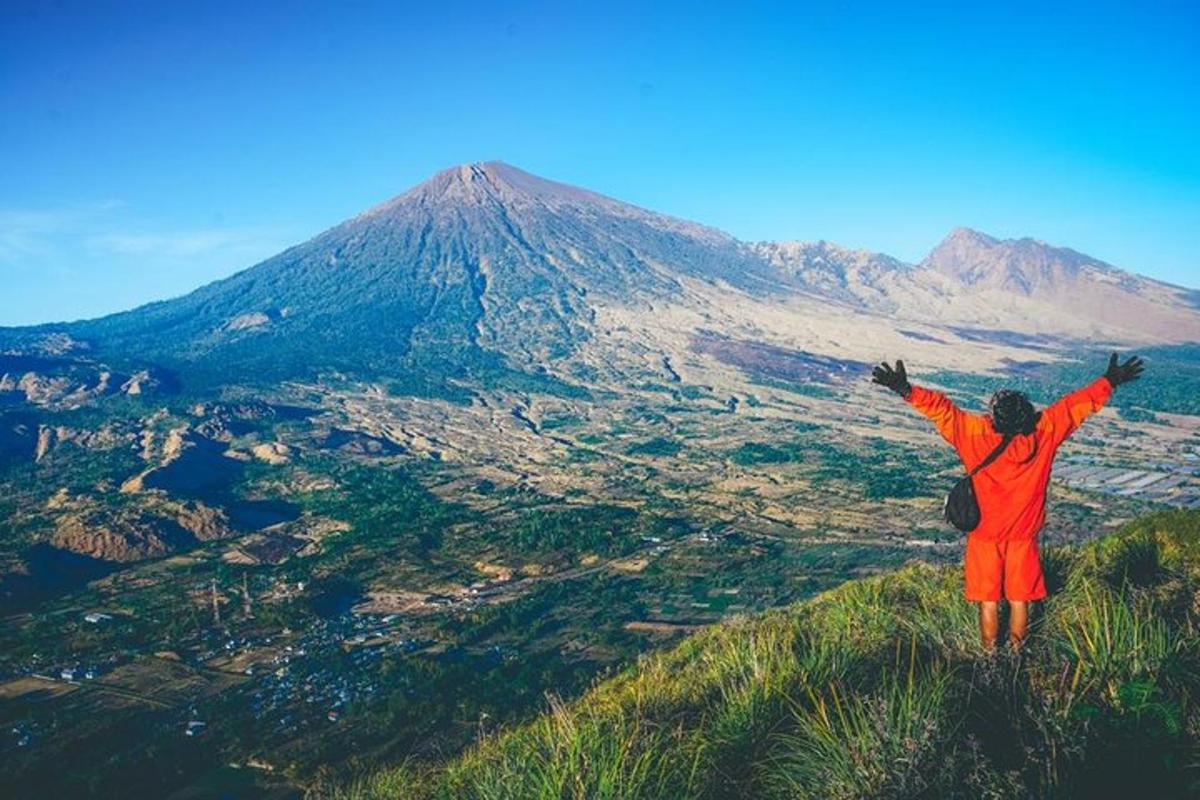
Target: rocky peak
486,184
1024,266
969,237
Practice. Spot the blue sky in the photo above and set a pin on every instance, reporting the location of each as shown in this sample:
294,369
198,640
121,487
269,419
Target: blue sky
148,147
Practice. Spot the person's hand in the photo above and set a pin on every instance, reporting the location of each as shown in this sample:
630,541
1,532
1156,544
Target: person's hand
1117,374
894,379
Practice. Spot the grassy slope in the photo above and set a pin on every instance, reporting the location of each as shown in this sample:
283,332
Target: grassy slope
878,689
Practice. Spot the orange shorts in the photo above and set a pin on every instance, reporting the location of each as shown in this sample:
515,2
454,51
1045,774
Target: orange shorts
1009,569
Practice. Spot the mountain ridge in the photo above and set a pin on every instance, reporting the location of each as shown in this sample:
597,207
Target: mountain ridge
486,264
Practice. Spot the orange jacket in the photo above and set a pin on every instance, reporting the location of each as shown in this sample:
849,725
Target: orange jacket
1012,489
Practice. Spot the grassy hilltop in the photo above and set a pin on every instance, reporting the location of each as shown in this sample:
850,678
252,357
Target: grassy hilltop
878,689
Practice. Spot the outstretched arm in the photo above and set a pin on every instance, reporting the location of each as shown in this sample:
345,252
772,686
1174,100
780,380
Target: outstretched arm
1064,416
952,422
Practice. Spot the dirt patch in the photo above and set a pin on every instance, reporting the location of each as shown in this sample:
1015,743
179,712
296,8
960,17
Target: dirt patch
392,602
32,690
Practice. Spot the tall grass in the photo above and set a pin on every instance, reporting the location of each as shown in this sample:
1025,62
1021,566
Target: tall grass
888,742
1109,641
568,753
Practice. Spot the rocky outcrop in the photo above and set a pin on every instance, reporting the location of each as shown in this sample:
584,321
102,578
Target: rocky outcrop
359,443
87,526
139,383
44,440
106,437
64,382
272,452
203,522
71,388
122,536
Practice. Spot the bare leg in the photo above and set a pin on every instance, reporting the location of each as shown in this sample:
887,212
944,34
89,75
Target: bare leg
1018,622
989,623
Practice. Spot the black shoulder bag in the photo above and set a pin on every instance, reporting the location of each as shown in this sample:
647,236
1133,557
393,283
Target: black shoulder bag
962,507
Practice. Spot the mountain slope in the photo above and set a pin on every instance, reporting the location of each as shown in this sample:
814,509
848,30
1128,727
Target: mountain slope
858,277
877,689
971,279
1070,282
480,258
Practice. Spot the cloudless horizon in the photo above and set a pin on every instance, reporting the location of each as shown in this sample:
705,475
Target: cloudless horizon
148,148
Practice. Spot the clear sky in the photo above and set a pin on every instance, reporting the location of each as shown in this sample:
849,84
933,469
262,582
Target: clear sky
148,147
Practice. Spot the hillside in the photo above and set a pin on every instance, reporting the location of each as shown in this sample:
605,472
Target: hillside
971,281
877,689
1020,275
478,262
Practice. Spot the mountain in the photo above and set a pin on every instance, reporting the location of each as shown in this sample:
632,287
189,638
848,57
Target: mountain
485,270
481,258
1071,282
975,281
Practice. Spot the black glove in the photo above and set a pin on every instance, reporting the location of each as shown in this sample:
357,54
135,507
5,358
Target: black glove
1117,374
894,379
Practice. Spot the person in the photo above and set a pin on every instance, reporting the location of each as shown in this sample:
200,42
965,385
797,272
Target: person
1001,559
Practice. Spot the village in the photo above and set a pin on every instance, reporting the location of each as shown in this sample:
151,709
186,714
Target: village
288,679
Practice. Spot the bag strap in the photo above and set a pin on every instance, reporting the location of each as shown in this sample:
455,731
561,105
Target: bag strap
992,456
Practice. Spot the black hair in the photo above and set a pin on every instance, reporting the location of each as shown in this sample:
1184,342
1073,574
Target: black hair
1012,413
